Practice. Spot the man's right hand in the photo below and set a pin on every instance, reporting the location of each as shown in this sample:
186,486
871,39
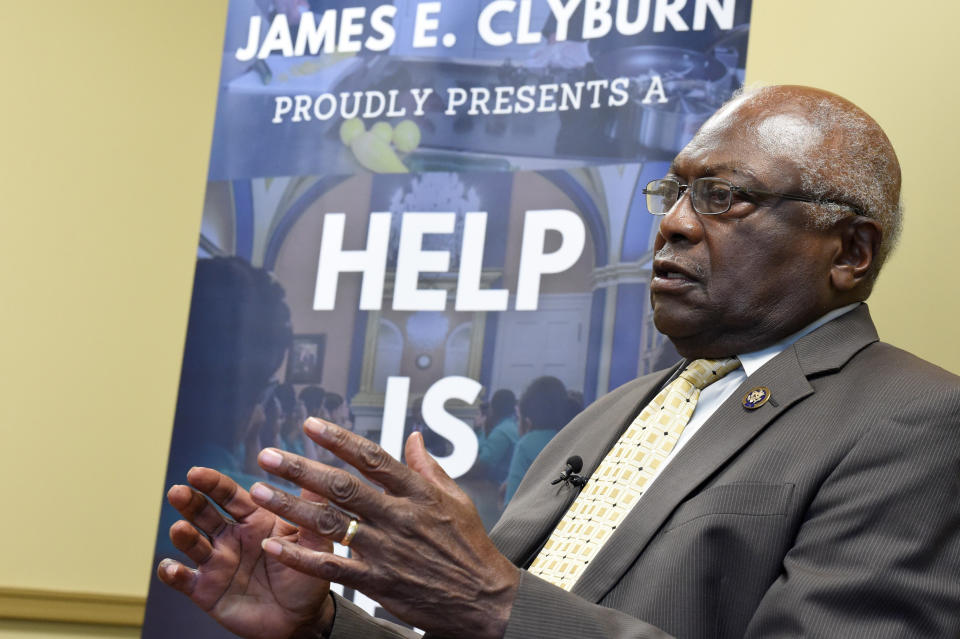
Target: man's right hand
235,582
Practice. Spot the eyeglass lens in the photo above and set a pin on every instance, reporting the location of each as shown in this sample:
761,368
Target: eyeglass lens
708,195
662,195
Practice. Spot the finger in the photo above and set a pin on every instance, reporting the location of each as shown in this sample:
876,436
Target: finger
339,486
177,576
370,459
323,519
307,537
196,509
421,461
342,570
190,542
225,492
312,496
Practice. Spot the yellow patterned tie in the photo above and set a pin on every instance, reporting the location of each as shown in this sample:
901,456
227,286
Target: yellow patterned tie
624,474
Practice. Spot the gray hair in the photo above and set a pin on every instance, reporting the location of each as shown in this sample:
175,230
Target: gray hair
859,166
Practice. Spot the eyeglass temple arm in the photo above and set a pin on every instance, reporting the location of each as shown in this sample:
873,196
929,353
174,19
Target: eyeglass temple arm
798,198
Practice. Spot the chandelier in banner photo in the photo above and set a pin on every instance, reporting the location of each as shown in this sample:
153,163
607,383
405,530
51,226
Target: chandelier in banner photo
434,192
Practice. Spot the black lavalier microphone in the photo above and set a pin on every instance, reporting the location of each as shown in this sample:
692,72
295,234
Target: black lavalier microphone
569,474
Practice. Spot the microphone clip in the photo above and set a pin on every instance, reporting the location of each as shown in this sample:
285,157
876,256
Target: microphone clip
570,473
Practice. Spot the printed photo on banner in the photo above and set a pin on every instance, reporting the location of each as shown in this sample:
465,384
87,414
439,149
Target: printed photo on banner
426,216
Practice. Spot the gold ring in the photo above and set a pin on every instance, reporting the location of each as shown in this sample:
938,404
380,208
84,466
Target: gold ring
352,528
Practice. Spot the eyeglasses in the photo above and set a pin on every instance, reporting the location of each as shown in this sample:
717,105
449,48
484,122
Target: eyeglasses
712,196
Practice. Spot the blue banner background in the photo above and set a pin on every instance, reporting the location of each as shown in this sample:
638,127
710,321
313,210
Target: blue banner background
253,326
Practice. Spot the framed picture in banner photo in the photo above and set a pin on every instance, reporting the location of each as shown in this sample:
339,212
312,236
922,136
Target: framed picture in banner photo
305,360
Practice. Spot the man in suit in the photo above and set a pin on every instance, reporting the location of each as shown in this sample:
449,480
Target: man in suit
811,488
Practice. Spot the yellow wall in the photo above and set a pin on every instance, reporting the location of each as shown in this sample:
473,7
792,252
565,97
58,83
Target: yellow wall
105,127
106,118
898,61
46,630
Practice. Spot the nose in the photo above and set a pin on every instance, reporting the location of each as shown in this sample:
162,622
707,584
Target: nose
681,224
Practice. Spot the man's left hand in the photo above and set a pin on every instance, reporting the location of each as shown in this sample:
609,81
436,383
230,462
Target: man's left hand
420,549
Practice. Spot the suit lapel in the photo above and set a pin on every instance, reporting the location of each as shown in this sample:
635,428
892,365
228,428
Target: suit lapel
538,505
832,345
727,431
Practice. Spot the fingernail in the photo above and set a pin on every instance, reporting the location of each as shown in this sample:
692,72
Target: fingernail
316,427
270,458
170,569
271,547
261,492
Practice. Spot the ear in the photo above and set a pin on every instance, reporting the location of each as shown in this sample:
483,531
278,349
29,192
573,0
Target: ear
859,244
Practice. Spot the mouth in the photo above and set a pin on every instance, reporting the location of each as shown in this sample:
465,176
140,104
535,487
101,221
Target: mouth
670,275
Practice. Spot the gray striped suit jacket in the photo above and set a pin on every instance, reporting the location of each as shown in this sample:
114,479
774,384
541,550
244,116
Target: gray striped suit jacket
833,510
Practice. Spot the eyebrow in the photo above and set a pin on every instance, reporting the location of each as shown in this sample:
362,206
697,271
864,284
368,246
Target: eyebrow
713,169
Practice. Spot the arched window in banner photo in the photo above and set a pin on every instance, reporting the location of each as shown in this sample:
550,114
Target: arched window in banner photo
417,210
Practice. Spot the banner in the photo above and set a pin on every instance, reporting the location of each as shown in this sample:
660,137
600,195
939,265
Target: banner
429,216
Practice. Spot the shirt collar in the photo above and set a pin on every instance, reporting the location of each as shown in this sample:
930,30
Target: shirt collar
752,362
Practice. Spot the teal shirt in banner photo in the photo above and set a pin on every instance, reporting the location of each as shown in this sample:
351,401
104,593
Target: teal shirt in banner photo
496,449
526,450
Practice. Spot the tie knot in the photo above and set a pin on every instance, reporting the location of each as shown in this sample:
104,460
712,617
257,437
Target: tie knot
703,372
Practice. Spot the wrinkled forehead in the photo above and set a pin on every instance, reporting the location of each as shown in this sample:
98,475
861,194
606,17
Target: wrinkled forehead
758,138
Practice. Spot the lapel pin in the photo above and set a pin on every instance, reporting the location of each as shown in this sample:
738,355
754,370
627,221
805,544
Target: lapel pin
756,398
